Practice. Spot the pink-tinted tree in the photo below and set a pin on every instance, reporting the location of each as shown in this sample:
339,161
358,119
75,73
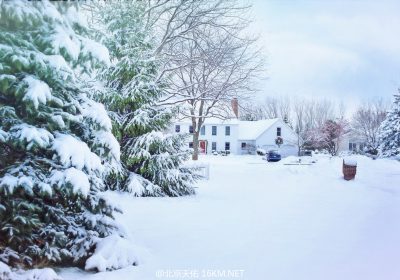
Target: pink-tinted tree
331,134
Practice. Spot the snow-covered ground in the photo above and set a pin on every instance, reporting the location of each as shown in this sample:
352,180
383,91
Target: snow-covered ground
258,220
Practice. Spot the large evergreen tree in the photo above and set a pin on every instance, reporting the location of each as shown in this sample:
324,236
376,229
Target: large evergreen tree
56,144
153,160
390,131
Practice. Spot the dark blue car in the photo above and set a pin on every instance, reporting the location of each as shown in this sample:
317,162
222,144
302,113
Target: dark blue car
273,156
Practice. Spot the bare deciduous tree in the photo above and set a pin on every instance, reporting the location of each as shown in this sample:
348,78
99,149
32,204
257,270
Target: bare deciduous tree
175,21
271,108
299,108
324,110
222,67
310,120
210,63
366,122
285,109
251,111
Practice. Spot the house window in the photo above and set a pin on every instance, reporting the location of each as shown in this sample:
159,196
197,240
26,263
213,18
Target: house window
190,128
362,146
352,146
203,130
227,146
227,130
244,145
191,145
278,131
177,128
214,130
214,146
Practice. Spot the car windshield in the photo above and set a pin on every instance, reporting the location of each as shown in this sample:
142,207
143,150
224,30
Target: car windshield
275,153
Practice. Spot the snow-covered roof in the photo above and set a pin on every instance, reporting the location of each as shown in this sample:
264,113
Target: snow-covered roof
232,121
251,130
352,136
212,121
248,130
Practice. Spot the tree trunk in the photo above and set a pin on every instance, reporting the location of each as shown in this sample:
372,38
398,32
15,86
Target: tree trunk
195,155
298,146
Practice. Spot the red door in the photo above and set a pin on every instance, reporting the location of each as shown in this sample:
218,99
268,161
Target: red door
202,146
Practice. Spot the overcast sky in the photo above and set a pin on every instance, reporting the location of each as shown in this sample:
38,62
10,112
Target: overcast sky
344,49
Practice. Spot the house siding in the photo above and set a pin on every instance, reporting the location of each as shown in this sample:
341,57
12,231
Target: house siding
267,139
220,138
357,142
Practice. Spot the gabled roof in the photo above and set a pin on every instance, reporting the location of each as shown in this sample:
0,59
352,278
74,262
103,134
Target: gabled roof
231,121
248,130
251,130
352,136
212,121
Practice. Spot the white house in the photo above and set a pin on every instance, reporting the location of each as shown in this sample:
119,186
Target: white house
242,137
352,143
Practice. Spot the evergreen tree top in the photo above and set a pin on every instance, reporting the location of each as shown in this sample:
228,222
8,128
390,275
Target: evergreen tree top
56,143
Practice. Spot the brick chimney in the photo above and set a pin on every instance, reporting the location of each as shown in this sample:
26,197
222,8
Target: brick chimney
235,107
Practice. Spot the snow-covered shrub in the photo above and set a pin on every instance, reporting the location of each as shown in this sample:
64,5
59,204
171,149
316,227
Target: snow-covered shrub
112,252
56,145
152,160
5,271
34,274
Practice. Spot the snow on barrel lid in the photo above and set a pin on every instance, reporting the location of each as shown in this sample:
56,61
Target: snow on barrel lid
350,161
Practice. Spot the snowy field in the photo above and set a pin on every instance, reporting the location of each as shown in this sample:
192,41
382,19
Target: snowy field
258,220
